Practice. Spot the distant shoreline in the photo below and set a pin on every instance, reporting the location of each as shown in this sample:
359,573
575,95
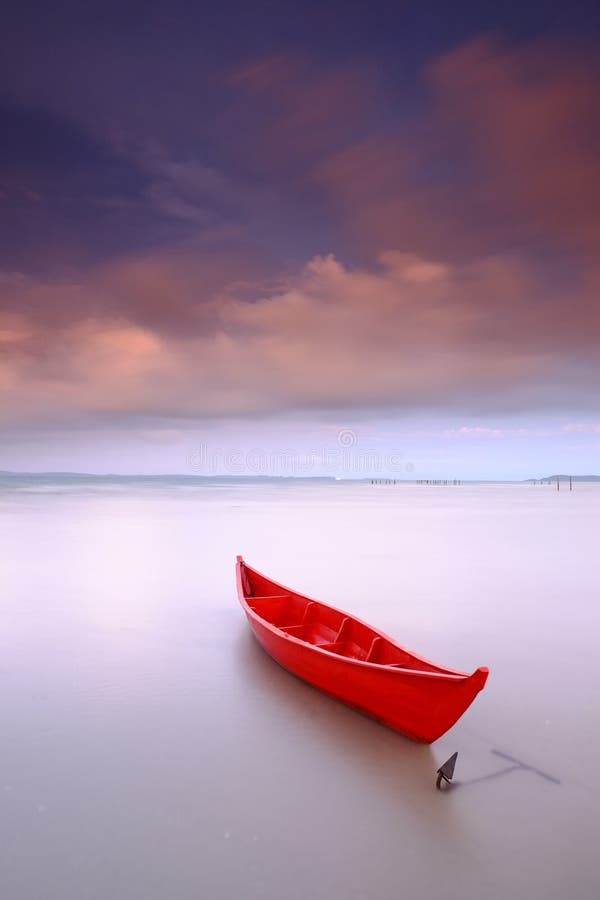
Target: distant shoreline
237,479
552,479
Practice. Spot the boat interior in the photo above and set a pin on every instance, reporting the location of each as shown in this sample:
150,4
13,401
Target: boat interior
324,627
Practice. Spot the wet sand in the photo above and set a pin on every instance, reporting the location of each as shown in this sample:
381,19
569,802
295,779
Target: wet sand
150,749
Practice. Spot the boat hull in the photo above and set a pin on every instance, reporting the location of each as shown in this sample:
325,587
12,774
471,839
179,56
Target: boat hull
414,697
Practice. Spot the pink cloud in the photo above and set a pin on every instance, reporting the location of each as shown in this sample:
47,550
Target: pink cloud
516,133
410,333
531,114
298,110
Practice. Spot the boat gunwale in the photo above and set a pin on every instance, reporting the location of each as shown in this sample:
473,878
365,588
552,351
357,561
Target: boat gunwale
452,675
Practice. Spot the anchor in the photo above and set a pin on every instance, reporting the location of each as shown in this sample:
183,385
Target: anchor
445,772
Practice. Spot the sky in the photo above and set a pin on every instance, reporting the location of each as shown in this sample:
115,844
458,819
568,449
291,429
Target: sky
300,238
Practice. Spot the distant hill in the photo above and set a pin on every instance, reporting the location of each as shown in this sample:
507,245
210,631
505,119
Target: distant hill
553,478
88,477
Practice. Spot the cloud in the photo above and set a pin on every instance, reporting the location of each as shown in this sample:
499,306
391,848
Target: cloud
190,190
531,114
465,231
582,428
408,334
292,111
503,154
474,431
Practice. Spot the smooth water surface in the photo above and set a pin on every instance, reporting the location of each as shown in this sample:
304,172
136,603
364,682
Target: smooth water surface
149,748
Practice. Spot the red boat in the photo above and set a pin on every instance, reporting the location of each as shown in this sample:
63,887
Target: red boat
354,662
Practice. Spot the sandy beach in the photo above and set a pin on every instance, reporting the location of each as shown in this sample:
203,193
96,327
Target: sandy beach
150,748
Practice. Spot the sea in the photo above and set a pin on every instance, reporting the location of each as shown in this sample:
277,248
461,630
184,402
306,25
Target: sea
151,750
